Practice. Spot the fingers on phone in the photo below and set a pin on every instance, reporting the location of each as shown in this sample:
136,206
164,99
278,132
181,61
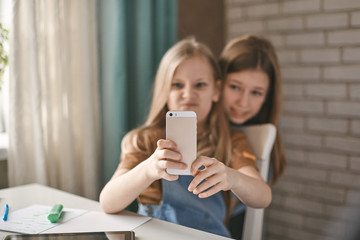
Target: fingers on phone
209,192
165,164
198,163
175,165
205,189
166,143
171,177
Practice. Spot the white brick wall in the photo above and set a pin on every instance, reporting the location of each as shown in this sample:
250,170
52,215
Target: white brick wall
295,156
304,205
326,90
325,125
341,5
340,212
354,91
344,108
262,10
326,21
318,224
320,56
291,90
318,45
355,127
343,73
304,107
292,218
355,163
245,27
293,123
355,19
301,73
351,54
344,37
352,197
288,24
235,13
344,144
305,39
292,7
287,57
327,160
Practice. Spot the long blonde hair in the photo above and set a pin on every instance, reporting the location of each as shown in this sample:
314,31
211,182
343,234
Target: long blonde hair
254,52
217,124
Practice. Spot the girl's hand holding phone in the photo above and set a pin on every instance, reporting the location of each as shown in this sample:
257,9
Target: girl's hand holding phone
216,174
165,156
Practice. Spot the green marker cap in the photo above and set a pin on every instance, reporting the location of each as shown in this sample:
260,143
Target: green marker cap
55,213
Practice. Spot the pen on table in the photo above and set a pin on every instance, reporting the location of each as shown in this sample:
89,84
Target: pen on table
55,213
6,212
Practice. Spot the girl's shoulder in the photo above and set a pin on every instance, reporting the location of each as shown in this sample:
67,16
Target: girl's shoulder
142,138
242,154
238,137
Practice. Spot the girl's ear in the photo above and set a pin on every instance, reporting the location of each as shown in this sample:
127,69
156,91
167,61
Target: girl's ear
217,91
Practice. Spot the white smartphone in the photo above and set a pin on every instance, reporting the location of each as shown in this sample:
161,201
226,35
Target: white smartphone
181,128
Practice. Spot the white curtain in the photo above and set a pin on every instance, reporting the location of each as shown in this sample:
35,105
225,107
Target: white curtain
54,128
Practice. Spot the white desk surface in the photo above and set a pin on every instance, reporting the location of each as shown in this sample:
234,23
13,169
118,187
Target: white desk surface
24,196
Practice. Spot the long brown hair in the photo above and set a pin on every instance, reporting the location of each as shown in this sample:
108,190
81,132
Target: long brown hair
217,125
254,52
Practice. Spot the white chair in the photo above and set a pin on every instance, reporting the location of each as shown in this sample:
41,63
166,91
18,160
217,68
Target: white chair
261,139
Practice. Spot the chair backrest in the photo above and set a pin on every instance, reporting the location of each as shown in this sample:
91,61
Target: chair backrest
261,139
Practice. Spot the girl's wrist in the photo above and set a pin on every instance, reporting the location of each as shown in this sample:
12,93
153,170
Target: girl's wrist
147,171
234,179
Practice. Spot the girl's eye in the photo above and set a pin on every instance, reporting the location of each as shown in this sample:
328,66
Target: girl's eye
257,93
235,87
177,85
201,84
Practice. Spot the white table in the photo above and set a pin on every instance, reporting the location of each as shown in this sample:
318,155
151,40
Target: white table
24,196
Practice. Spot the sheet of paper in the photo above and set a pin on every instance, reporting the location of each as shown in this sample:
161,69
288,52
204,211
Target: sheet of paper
33,219
93,221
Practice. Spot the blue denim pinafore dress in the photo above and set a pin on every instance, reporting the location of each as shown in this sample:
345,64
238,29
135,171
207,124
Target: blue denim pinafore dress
183,207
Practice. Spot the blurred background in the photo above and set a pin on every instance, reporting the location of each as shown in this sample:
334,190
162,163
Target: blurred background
80,73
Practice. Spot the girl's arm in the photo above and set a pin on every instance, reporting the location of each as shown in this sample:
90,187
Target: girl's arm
245,182
127,184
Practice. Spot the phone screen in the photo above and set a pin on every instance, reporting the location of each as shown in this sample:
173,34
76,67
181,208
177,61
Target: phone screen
181,128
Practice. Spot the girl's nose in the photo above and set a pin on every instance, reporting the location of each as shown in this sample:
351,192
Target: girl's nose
243,99
187,92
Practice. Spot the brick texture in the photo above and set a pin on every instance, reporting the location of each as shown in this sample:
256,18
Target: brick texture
291,7
355,127
351,54
344,37
355,91
325,125
327,160
355,19
318,45
320,56
325,90
329,21
341,5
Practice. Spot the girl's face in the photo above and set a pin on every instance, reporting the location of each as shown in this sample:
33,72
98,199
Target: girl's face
193,88
244,94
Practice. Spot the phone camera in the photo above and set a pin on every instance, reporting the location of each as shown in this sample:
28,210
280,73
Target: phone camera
170,114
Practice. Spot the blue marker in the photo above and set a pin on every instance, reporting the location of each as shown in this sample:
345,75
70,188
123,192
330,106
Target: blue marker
6,212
